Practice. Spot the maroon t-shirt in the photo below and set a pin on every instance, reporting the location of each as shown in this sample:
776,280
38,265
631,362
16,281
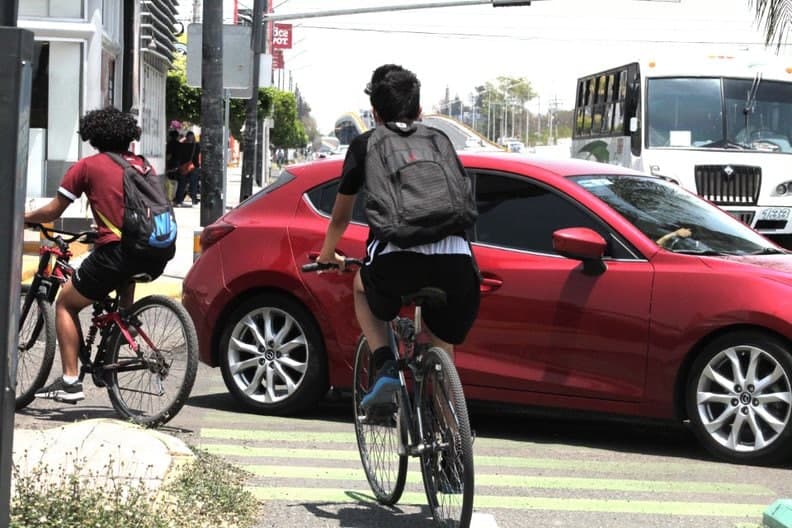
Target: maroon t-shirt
102,181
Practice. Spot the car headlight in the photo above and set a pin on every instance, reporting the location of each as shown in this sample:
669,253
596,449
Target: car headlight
782,189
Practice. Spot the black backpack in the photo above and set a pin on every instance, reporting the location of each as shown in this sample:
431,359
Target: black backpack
416,188
149,225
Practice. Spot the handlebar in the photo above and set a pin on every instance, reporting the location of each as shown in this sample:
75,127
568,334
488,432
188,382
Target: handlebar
322,266
86,237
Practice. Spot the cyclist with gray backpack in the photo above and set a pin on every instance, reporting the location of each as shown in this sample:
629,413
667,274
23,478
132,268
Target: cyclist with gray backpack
419,203
135,225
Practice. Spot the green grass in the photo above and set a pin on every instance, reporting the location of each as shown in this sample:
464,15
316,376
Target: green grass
208,492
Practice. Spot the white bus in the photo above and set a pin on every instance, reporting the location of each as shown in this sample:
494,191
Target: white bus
720,126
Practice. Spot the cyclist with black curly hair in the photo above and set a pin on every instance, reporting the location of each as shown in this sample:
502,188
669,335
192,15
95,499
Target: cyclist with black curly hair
107,268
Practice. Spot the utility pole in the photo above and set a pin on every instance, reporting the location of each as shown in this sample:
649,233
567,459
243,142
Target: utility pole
16,58
212,147
251,119
196,18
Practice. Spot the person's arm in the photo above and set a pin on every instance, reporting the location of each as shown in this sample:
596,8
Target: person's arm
682,232
339,220
48,212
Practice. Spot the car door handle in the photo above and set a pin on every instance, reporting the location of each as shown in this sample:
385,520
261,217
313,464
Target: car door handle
490,284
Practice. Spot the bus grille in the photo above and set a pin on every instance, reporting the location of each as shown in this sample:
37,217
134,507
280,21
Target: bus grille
728,184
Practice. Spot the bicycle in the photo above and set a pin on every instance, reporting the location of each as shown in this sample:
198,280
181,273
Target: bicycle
146,355
428,418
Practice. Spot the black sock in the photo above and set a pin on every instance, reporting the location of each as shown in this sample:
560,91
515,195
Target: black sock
380,356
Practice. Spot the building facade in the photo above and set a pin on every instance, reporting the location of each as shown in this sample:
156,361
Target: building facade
91,54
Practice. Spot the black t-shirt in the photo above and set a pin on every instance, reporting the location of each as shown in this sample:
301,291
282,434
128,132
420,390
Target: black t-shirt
354,172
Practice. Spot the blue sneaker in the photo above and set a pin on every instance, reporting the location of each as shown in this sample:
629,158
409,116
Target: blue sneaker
384,388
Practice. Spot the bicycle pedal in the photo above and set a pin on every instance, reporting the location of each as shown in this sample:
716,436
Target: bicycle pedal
63,400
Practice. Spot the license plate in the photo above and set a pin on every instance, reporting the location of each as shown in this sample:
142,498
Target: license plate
774,213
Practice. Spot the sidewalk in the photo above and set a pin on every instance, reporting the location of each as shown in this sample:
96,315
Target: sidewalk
189,222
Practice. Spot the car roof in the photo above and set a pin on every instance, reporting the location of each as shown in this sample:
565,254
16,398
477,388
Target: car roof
317,171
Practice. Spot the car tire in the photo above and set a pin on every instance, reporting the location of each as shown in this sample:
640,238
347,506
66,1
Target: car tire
272,355
739,397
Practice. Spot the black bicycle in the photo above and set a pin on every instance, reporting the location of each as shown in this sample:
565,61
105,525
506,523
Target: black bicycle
427,418
146,355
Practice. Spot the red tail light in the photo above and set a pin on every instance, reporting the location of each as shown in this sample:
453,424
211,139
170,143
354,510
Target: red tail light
211,234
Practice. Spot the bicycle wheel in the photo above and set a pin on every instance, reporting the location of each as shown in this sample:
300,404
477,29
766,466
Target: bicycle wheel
382,440
447,462
36,347
149,387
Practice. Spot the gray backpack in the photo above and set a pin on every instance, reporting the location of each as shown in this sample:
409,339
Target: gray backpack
416,190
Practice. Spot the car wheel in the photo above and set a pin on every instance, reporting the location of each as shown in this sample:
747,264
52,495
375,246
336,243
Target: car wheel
272,356
739,398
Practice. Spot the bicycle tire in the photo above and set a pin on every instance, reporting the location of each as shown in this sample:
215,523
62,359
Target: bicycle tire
381,446
447,460
36,348
149,396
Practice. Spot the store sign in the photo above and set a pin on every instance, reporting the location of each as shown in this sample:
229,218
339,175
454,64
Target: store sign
281,36
277,59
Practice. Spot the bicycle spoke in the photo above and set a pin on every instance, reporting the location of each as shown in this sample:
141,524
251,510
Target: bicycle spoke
150,385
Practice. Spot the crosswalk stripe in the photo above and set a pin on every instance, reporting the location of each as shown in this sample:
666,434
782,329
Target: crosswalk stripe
709,509
525,481
595,466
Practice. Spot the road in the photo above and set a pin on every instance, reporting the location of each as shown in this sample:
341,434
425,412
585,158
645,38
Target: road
530,470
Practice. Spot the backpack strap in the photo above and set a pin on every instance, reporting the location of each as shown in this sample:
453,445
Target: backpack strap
124,166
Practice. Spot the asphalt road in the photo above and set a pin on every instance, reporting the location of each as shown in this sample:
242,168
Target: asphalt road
530,470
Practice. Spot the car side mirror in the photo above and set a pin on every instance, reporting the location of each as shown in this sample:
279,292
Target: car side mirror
584,244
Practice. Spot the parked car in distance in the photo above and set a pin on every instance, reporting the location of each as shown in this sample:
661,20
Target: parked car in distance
603,290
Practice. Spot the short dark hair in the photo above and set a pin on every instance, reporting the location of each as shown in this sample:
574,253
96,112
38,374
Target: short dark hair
395,94
109,129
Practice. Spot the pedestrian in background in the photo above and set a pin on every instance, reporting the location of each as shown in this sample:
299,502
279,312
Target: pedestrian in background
190,163
172,163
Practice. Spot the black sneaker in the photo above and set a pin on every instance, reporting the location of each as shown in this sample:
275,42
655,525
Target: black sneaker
61,391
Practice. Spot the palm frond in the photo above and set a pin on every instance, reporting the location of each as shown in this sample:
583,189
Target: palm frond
776,17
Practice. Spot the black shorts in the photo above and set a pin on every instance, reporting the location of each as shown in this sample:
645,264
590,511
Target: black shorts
107,268
392,275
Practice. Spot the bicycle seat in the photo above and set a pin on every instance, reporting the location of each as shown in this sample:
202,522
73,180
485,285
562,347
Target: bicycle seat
141,277
425,296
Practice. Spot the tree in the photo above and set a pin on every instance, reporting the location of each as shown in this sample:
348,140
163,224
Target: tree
288,131
183,103
776,16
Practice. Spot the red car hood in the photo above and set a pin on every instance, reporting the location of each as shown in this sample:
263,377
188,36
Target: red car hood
776,267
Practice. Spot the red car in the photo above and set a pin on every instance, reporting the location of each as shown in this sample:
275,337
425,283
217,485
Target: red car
603,289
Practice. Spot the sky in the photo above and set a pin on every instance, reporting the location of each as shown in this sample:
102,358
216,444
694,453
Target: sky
550,43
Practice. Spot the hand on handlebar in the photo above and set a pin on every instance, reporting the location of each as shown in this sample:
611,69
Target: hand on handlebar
337,262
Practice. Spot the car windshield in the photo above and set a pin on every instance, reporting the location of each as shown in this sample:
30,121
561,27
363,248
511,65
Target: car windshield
722,113
658,208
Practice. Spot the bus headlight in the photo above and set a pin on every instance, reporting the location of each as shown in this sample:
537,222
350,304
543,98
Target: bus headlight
782,188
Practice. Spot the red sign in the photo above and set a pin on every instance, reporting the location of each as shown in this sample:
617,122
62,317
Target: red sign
277,59
281,36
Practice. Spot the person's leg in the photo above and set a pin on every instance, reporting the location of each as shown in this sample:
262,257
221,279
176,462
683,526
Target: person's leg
67,324
437,342
375,330
194,186
181,190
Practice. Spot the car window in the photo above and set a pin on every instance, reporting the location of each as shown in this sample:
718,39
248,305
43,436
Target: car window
515,212
323,199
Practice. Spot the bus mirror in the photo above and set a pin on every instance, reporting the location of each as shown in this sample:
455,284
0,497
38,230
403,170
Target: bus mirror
633,125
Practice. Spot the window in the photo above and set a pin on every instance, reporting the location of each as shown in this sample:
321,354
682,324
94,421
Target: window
323,198
600,105
518,213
